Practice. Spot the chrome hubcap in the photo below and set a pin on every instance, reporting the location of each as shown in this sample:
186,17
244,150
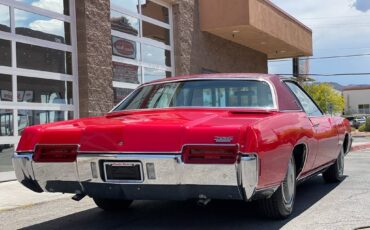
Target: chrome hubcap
289,184
340,163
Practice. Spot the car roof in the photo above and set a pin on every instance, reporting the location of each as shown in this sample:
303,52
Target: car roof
246,76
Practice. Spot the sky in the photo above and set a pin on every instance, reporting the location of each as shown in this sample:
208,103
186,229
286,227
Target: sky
35,21
340,27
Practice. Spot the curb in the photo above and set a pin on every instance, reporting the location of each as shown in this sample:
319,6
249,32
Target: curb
8,180
360,147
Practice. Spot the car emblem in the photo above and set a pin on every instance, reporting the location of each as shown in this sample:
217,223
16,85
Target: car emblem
120,143
223,139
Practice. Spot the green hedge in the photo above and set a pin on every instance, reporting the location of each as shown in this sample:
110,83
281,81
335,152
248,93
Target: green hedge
367,125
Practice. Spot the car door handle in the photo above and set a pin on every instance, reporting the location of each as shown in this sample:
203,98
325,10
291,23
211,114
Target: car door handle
316,125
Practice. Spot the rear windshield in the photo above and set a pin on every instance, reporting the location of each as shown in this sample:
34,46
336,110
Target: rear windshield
201,93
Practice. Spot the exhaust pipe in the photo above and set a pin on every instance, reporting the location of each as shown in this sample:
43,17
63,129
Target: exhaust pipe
78,197
203,200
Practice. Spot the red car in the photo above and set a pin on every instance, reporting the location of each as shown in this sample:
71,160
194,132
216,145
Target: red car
218,136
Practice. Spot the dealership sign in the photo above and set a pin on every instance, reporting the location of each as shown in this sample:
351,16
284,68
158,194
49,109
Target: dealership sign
124,48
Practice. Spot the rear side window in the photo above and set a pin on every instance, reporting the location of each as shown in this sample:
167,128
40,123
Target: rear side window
308,105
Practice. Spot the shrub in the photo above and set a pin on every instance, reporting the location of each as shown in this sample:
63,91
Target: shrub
362,128
367,125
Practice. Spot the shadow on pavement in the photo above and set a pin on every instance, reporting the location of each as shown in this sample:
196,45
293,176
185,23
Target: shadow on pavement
185,215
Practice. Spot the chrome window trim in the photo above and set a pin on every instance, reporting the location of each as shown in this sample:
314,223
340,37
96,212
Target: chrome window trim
270,84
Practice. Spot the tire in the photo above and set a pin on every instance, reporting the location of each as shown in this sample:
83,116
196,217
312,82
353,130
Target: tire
112,205
334,173
280,204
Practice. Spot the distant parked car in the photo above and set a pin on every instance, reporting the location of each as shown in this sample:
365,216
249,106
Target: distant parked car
358,121
350,119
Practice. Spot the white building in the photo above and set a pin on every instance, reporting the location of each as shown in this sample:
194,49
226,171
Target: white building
357,99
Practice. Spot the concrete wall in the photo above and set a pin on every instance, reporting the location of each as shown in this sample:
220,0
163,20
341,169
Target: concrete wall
196,50
353,98
94,57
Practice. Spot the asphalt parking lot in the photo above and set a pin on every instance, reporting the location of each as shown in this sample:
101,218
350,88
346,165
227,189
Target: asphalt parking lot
318,206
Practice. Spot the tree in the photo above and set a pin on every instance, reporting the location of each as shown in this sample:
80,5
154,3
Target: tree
325,95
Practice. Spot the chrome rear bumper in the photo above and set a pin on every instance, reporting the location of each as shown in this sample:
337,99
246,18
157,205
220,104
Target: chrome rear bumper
172,180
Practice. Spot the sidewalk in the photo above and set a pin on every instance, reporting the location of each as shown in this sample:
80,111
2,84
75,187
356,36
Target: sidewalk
14,195
359,146
7,176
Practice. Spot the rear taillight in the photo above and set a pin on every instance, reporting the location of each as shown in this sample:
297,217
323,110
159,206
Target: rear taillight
209,154
55,153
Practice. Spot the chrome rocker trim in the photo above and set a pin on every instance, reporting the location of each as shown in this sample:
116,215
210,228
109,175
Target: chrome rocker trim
173,179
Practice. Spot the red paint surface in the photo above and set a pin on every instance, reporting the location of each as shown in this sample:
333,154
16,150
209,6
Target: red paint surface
270,134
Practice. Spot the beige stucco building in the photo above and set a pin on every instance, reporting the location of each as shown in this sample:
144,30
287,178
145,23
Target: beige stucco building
357,100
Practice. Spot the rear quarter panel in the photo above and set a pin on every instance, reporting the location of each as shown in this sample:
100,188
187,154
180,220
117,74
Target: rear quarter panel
276,137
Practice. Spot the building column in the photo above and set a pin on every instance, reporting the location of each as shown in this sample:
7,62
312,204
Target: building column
94,57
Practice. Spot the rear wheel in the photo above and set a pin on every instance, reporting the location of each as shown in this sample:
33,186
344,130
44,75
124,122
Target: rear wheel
280,204
112,204
335,172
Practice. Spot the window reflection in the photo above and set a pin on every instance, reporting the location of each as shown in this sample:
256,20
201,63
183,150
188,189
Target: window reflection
125,48
126,73
41,27
156,55
44,59
124,23
6,93
6,122
36,117
155,74
58,6
6,153
157,33
4,18
5,53
131,5
154,10
43,91
120,94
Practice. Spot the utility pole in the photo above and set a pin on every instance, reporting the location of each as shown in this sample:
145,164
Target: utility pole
296,69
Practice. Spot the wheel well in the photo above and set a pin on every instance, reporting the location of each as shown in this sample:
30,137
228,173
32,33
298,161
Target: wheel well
346,144
299,154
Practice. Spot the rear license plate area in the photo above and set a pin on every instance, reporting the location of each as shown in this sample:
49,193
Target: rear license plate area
123,172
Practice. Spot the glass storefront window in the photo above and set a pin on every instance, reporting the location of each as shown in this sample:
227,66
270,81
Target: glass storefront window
156,33
154,10
5,53
124,23
144,38
120,94
36,117
155,74
44,59
125,48
70,115
6,153
6,93
44,91
155,55
126,73
4,18
41,27
6,122
57,6
131,5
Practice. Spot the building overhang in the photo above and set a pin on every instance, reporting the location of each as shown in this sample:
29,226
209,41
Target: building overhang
257,24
